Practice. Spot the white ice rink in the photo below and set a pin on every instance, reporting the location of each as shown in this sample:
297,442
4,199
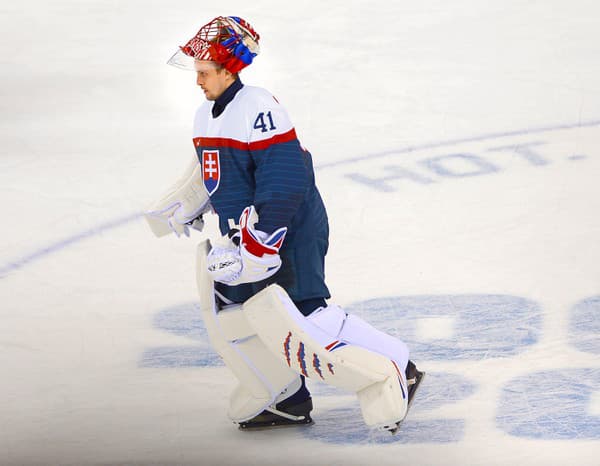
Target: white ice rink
457,147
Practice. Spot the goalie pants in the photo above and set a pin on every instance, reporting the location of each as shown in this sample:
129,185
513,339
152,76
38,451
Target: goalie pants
353,330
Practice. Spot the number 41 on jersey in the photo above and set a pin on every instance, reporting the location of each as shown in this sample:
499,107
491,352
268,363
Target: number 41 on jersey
261,124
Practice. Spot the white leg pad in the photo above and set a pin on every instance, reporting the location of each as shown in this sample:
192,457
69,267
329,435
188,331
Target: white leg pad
263,378
313,352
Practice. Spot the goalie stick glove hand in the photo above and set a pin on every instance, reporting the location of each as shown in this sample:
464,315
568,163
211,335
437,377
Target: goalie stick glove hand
181,206
246,255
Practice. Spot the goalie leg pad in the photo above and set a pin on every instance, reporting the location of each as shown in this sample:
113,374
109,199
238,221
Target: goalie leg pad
263,379
313,352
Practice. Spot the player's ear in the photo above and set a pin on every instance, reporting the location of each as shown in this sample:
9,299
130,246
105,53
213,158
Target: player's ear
228,73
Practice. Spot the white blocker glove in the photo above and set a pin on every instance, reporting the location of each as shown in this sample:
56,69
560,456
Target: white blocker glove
181,206
246,255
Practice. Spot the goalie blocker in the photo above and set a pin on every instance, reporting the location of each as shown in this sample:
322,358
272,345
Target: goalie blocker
267,343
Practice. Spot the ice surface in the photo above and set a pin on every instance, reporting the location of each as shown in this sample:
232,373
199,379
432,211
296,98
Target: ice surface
457,148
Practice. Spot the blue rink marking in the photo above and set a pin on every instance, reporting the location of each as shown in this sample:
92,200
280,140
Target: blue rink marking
52,248
551,405
584,326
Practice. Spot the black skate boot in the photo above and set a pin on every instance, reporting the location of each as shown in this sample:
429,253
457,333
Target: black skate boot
292,411
414,377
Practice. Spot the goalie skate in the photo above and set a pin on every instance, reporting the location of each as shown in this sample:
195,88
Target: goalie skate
414,377
280,416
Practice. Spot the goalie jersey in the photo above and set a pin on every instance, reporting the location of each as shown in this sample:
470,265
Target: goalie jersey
250,155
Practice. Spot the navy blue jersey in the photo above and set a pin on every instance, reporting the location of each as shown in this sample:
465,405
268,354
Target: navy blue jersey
250,155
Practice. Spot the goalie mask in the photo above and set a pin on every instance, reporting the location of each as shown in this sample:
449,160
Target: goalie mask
227,40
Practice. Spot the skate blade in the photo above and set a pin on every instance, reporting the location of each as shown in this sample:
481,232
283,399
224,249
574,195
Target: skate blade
269,425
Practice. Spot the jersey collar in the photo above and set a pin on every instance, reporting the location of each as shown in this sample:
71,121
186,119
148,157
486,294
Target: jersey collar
227,96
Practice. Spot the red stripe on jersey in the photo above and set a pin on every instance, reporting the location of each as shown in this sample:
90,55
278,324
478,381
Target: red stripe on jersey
277,139
220,142
235,144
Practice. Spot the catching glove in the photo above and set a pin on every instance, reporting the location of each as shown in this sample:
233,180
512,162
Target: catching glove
246,255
